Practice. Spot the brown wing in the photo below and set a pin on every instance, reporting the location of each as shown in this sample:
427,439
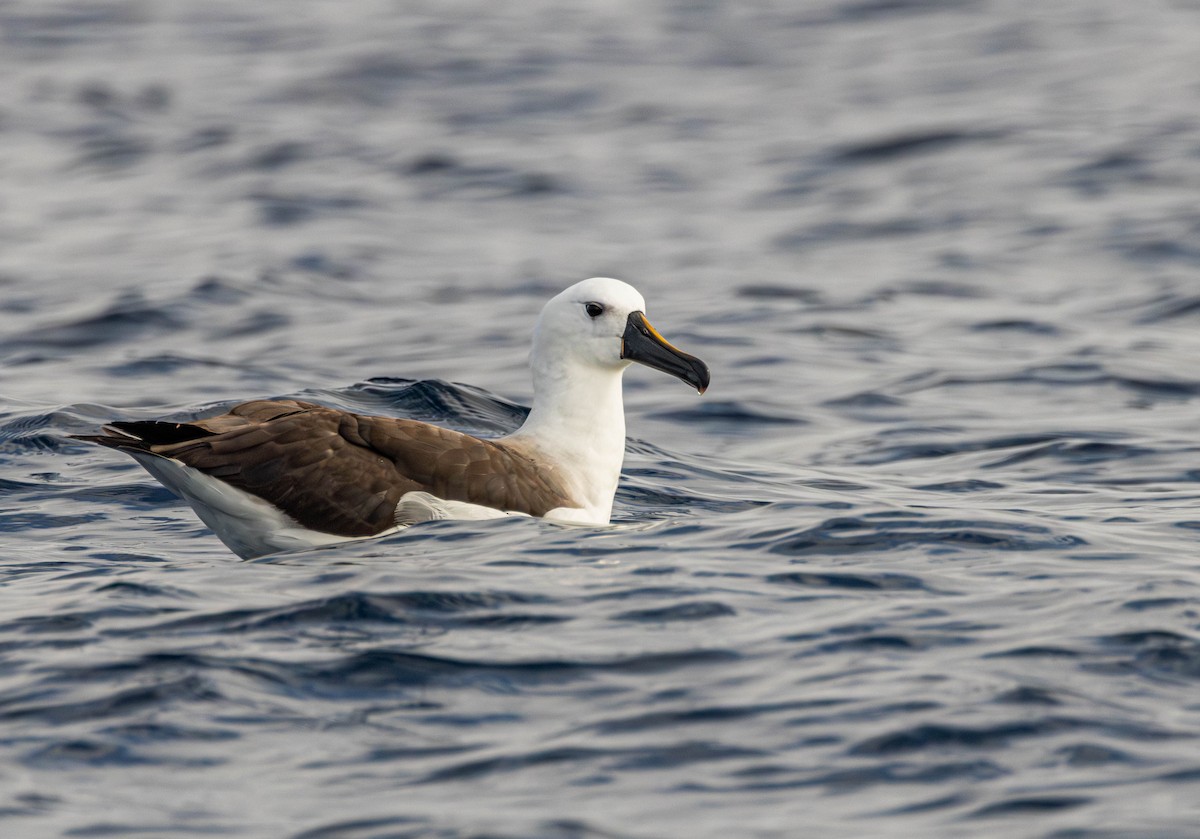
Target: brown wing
344,473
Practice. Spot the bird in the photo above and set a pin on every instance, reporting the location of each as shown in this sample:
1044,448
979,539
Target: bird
282,475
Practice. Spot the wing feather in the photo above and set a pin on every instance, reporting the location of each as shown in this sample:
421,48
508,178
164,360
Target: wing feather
345,473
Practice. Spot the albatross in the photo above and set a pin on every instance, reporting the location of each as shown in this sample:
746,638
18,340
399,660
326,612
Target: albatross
284,475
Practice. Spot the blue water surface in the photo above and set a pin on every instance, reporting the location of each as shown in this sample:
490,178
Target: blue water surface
923,561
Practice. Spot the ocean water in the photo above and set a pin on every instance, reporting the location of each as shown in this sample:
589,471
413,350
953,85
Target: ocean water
922,562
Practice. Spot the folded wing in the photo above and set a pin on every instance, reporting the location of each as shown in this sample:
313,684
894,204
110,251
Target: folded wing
344,473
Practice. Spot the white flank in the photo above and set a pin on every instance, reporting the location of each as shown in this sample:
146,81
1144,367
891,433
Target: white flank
417,507
248,525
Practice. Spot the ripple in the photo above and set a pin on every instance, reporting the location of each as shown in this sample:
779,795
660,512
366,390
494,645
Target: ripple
399,827
938,736
365,611
1028,327
1068,447
375,671
691,611
287,209
1170,307
1031,805
634,759
1154,653
443,176
870,582
127,318
117,704
1075,375
909,144
852,534
67,754
731,416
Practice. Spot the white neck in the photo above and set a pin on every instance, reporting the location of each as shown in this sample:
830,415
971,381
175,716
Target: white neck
578,422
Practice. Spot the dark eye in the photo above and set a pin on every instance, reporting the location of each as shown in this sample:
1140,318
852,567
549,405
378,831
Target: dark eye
594,310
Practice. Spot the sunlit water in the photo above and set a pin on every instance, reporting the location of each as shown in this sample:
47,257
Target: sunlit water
921,563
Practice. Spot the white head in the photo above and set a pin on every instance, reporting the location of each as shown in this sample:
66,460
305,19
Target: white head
585,338
600,324
585,323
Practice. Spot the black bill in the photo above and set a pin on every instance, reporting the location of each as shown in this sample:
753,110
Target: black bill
642,343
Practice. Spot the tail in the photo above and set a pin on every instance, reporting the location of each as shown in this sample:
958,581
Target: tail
144,436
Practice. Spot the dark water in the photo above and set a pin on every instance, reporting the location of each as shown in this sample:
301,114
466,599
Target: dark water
921,563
